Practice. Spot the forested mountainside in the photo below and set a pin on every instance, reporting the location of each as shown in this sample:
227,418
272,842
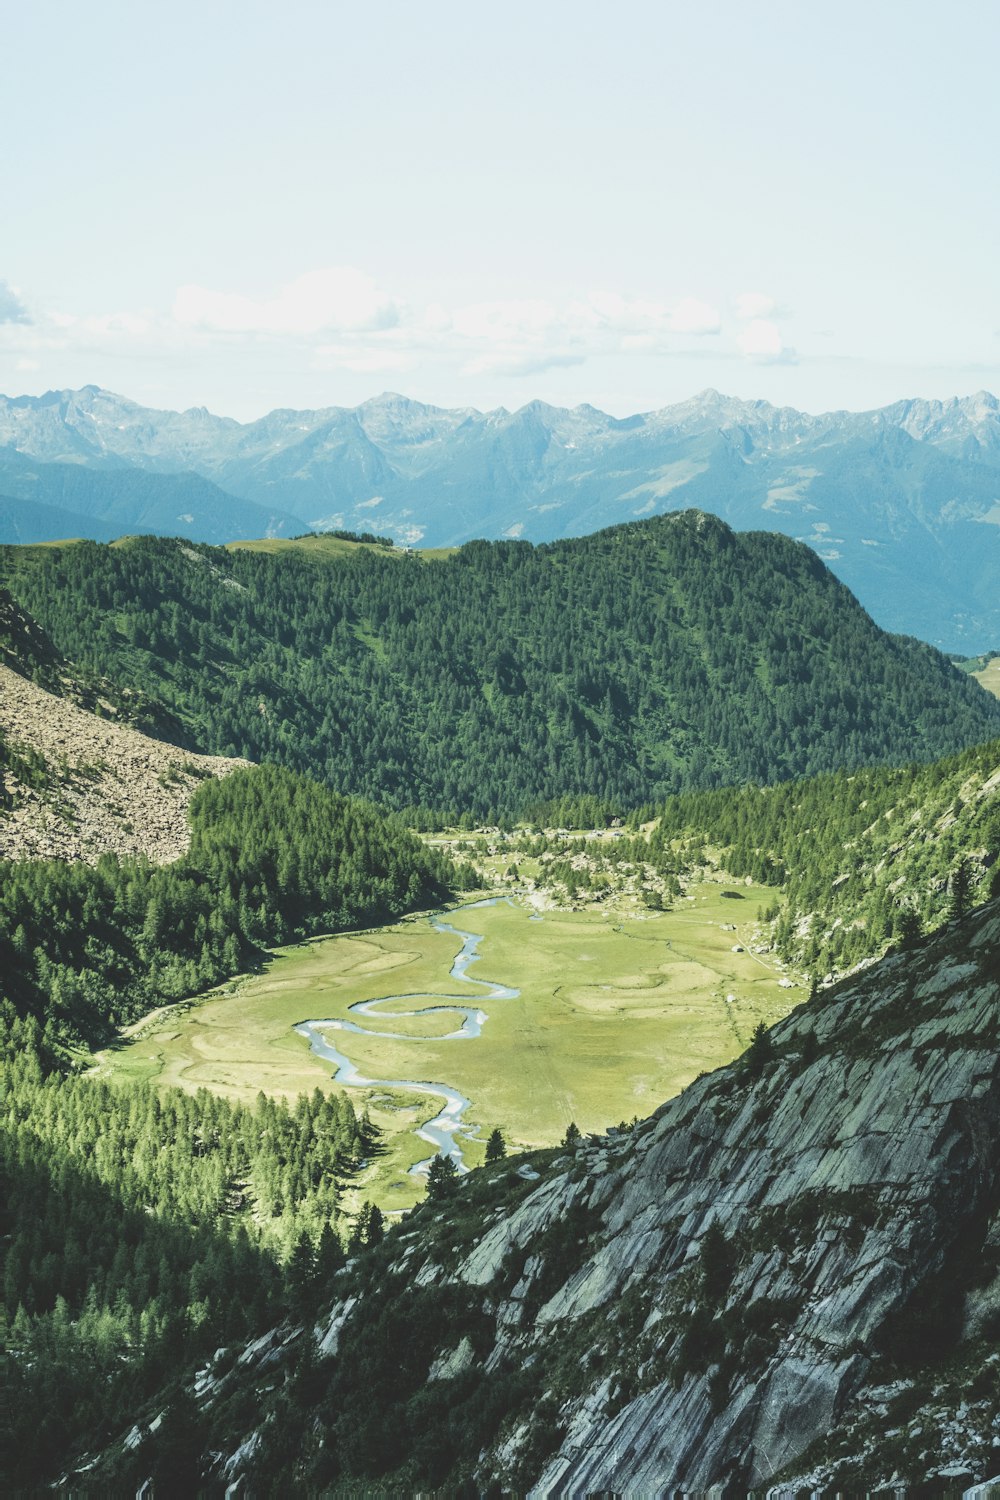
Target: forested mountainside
785,1277
273,857
632,664
902,501
861,858
142,1229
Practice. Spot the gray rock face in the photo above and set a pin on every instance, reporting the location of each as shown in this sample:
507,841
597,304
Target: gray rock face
113,790
700,1300
841,1184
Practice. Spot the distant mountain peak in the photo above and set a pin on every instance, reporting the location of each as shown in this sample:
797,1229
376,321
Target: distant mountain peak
906,491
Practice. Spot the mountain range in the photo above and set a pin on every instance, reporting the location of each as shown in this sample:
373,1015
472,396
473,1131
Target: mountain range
902,502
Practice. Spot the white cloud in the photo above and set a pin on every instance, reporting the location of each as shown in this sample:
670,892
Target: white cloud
692,316
340,319
338,297
761,340
753,305
364,361
133,325
636,318
500,363
504,322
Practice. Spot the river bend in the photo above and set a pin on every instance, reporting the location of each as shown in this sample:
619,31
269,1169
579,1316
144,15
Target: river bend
442,1132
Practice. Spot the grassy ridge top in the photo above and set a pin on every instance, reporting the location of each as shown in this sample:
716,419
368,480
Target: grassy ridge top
320,546
632,664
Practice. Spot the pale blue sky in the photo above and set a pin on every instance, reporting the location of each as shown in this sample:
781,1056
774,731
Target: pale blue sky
247,205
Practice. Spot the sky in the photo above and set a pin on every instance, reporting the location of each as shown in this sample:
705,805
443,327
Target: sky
249,206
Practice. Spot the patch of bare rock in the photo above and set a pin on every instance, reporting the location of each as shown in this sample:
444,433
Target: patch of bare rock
110,789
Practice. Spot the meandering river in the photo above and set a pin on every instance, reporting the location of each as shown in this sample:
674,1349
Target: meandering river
441,1132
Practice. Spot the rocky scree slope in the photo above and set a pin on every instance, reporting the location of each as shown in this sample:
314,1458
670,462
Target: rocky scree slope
700,1300
89,786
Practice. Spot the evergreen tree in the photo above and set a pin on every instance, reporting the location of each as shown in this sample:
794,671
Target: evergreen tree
376,1227
717,1260
496,1148
958,902
759,1053
442,1178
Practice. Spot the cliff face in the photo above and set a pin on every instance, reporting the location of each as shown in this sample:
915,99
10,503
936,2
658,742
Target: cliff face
698,1301
849,1180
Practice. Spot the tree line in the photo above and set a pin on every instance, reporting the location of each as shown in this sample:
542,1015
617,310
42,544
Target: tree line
862,858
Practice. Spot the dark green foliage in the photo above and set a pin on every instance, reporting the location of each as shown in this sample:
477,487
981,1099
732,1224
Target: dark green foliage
369,1229
718,1261
908,927
958,895
562,1248
139,1232
20,767
622,667
572,1138
368,537
759,1053
273,857
442,1178
496,1148
866,858
381,1417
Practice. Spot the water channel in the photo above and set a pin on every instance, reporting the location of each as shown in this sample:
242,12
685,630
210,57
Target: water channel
441,1132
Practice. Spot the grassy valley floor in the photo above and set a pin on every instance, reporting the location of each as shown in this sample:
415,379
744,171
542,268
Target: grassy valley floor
615,1014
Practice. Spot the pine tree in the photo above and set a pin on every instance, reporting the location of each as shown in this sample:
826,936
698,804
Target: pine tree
496,1148
442,1176
908,927
717,1262
958,904
376,1227
760,1051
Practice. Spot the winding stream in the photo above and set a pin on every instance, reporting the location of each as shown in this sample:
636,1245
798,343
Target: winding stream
442,1131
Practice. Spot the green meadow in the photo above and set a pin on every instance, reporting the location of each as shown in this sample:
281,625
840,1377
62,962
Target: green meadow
615,1015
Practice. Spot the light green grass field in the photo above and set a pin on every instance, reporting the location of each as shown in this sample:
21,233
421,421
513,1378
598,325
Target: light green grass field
989,677
322,547
614,1016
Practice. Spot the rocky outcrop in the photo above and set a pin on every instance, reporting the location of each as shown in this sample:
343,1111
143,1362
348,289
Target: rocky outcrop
101,787
845,1179
704,1301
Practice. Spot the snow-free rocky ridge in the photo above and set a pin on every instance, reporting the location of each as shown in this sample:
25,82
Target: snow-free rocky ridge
903,502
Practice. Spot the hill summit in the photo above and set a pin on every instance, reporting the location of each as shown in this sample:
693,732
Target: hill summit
628,665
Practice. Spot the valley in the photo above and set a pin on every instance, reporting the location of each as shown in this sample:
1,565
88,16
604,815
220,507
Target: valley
612,1013
665,848
500,753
